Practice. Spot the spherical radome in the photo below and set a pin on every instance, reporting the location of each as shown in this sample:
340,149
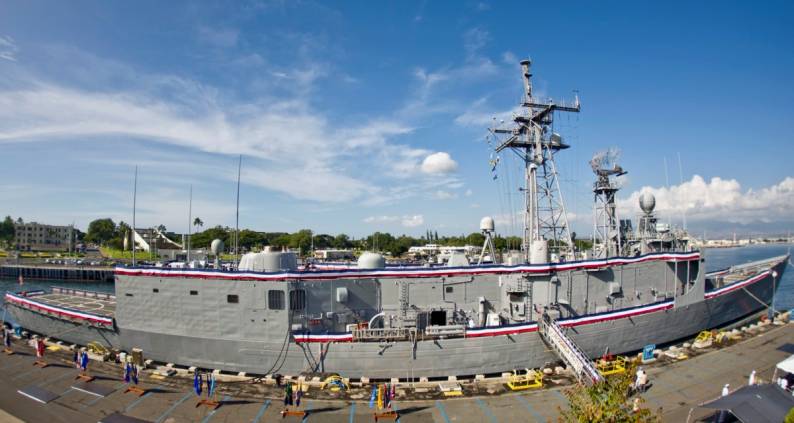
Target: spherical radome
216,246
487,224
647,202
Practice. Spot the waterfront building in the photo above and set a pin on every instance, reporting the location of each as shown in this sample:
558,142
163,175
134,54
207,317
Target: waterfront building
33,236
334,254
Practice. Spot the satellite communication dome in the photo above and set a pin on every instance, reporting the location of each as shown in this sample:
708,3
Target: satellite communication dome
371,261
647,202
486,224
216,246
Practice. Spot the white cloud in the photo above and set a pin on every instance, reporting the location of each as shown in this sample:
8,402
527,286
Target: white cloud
444,195
439,162
382,219
468,193
300,152
474,40
477,115
409,221
509,58
719,199
413,221
8,48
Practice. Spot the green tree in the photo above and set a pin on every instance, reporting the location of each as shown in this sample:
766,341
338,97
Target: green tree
198,223
7,231
341,241
607,401
101,231
204,238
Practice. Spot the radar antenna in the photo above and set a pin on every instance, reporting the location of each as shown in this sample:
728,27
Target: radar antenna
606,232
532,139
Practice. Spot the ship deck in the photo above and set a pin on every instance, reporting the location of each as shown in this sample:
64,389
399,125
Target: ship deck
99,306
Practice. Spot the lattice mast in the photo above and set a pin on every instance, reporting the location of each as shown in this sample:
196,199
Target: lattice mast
606,230
535,144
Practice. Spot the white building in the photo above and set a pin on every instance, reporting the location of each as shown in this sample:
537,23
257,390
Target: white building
334,254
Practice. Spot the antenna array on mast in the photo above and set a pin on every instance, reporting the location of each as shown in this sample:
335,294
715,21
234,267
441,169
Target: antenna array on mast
532,139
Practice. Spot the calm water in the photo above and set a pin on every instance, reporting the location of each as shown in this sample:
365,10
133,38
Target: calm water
715,259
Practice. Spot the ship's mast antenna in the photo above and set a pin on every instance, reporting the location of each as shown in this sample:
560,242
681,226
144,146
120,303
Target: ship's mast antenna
237,215
534,142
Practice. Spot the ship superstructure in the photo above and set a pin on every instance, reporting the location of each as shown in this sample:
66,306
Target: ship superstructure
270,316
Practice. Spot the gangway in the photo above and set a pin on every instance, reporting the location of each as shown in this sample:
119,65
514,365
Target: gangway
571,354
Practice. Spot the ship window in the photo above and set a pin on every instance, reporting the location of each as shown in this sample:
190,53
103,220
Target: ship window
275,300
232,299
155,290
448,290
193,292
297,299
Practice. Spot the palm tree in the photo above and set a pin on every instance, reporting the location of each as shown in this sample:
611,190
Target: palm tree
197,222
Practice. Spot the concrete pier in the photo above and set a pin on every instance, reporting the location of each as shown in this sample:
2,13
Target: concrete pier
676,388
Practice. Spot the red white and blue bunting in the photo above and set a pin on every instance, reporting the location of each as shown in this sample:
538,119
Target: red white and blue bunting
28,303
401,272
568,322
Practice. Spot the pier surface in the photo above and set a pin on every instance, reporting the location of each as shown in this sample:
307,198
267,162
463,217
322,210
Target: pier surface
676,388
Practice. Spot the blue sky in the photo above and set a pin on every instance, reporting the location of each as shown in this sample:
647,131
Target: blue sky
362,116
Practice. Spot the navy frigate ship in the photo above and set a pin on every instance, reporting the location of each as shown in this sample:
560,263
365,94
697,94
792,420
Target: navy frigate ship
520,309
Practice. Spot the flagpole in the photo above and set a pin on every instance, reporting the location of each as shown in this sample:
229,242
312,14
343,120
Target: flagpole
189,222
134,204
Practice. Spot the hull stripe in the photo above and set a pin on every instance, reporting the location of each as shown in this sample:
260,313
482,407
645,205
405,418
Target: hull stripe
406,272
568,322
93,318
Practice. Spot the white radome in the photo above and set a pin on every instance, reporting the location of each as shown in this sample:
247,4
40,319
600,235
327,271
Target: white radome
486,224
647,202
216,246
370,260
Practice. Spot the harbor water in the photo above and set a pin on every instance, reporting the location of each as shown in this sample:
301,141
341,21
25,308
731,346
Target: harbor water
716,259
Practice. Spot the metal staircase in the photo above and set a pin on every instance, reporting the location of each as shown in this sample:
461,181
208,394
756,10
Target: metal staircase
566,349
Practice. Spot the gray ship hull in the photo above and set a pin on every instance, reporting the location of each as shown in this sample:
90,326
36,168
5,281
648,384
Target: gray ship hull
617,331
456,356
64,330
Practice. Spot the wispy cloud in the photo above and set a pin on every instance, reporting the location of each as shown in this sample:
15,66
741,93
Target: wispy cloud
408,221
300,151
8,48
444,195
478,115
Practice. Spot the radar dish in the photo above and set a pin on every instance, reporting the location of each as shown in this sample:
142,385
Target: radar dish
606,163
